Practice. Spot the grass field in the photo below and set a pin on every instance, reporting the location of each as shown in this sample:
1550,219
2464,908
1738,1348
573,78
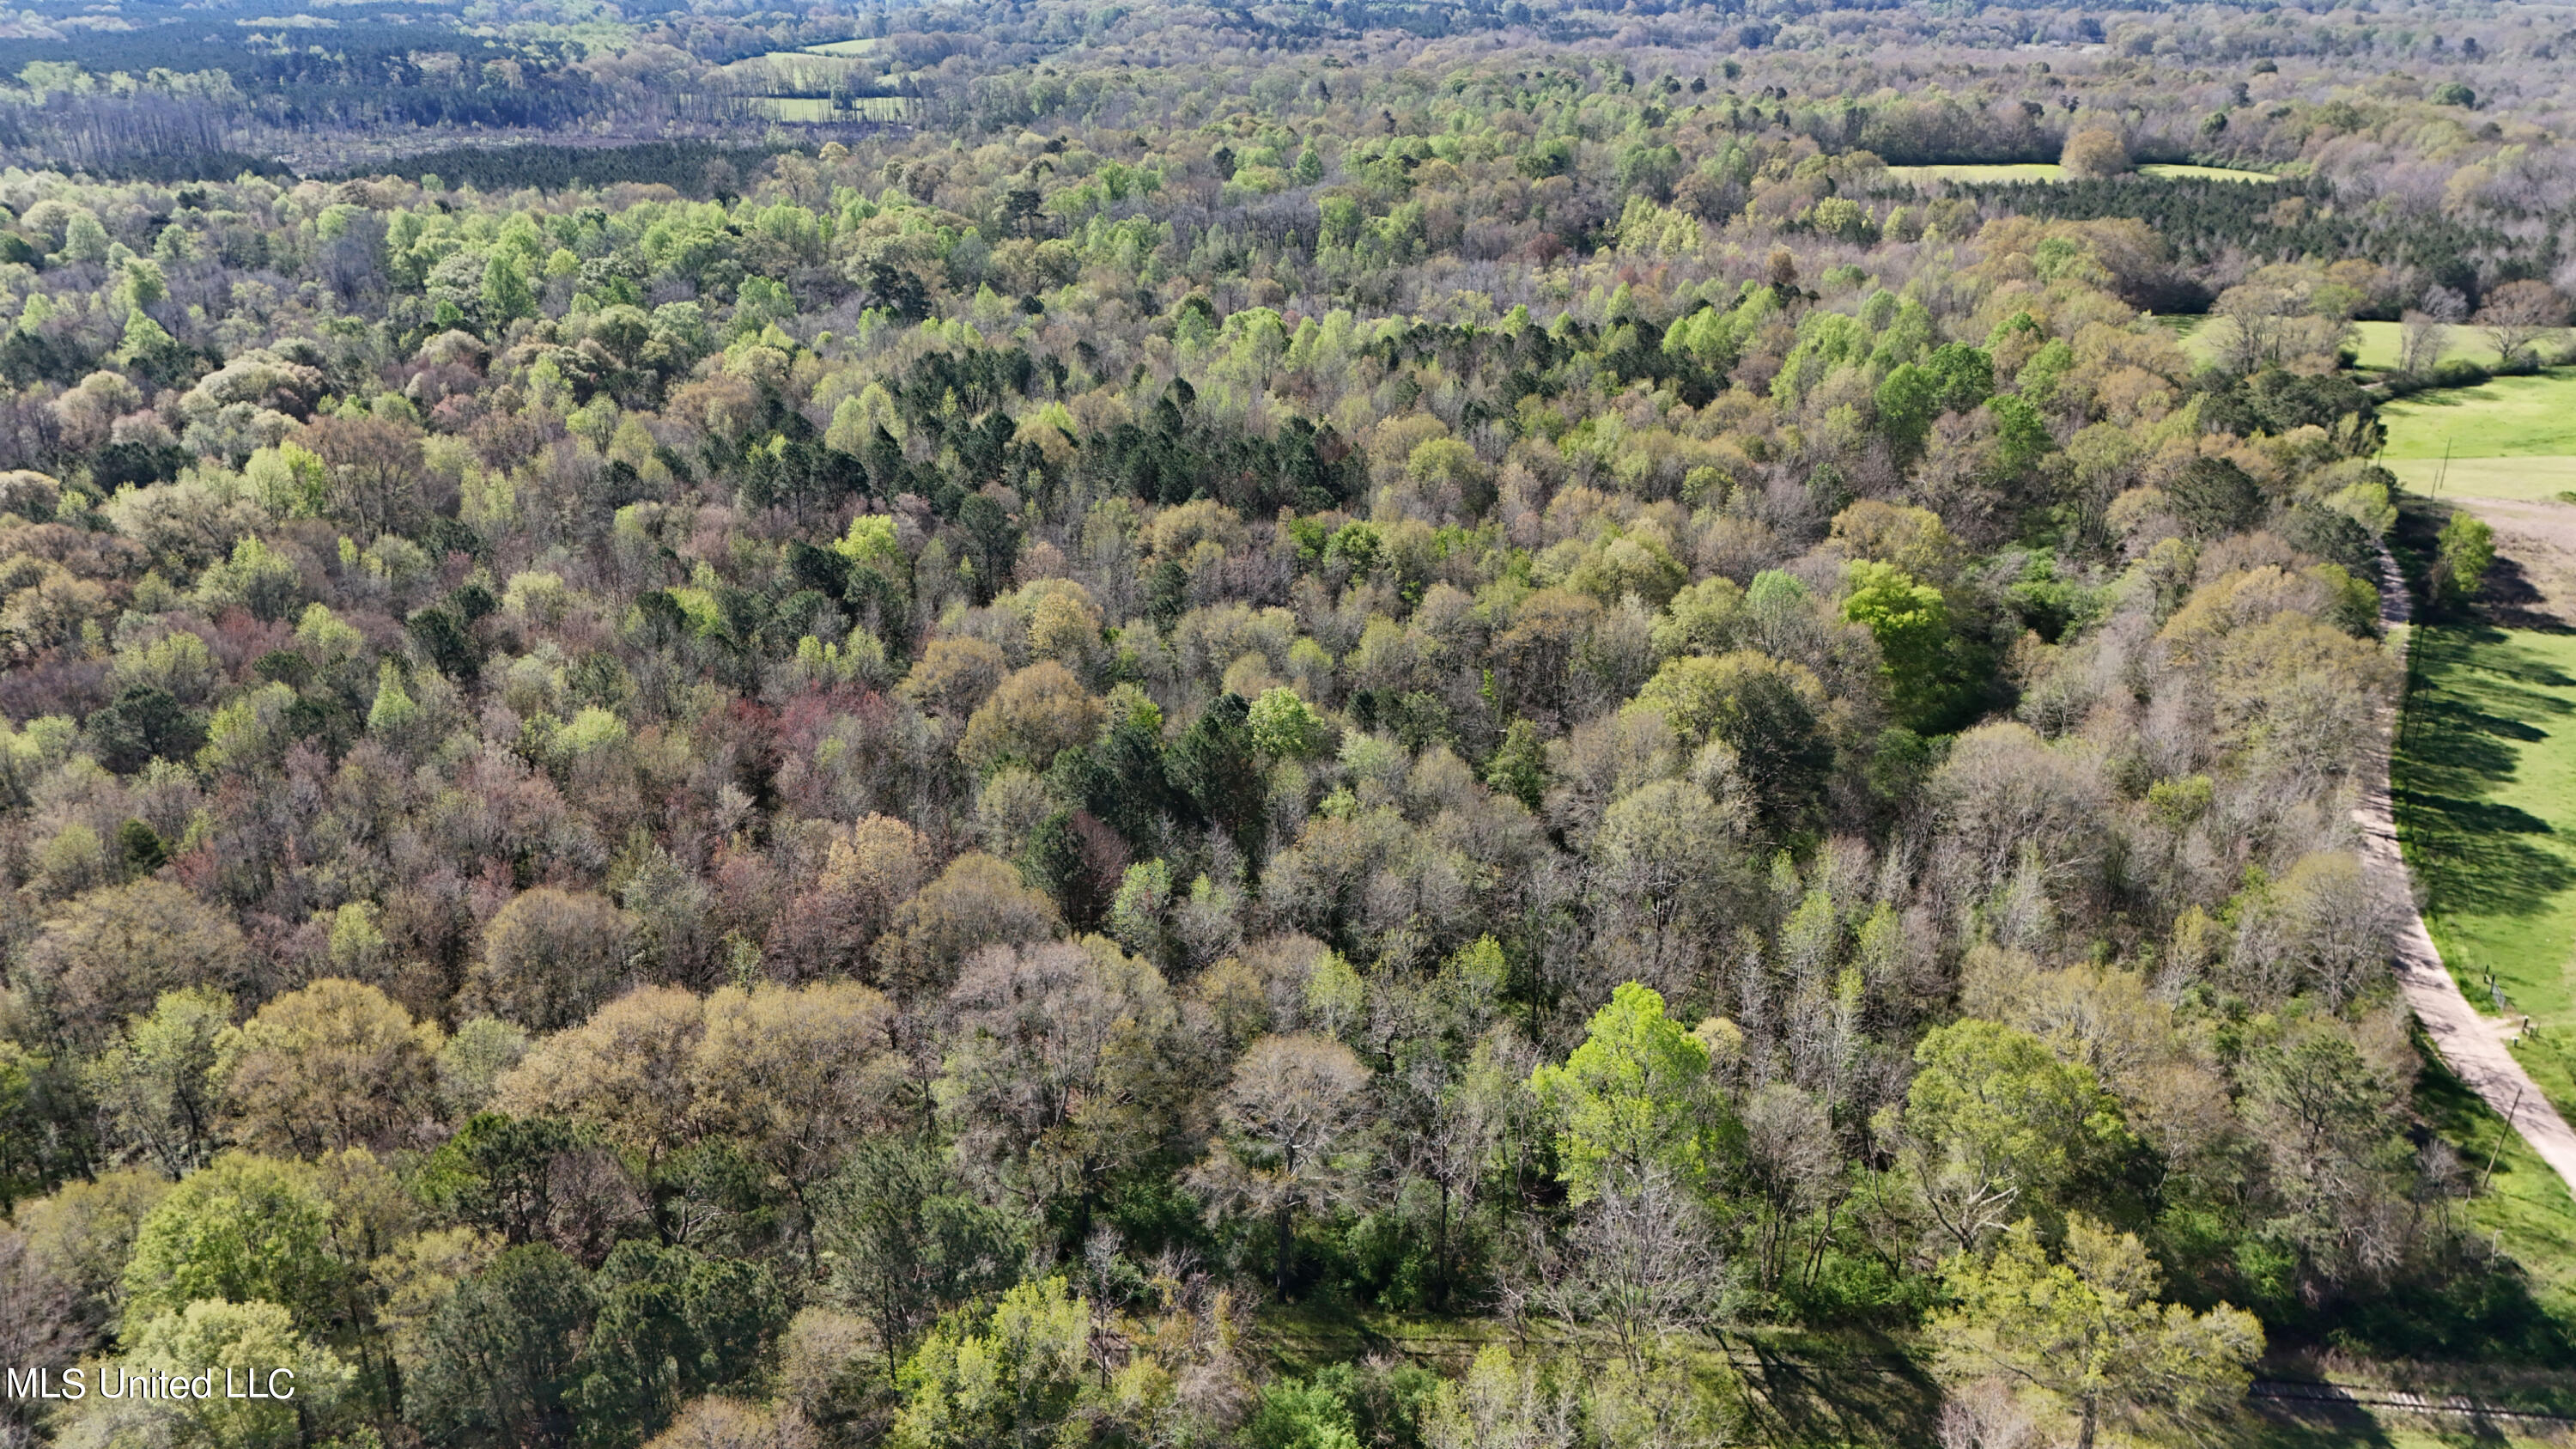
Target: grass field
794,108
2173,172
2512,437
810,110
2036,171
2484,782
2375,344
794,85
2508,417
2033,171
2524,1208
2525,478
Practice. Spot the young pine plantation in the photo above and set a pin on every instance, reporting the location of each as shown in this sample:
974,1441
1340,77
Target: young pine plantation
1285,730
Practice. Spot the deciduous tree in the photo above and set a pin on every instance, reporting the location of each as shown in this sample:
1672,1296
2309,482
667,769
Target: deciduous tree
1633,1098
334,1065
1291,1119
2088,1332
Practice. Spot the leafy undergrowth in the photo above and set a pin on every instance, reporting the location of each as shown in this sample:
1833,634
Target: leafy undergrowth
2524,1212
1805,1390
1783,1387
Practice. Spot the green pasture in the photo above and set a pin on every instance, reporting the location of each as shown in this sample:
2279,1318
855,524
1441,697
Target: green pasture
2033,171
793,85
2524,1207
814,110
808,109
2171,171
2506,417
2483,779
2375,345
2484,784
2039,171
2522,478
2192,332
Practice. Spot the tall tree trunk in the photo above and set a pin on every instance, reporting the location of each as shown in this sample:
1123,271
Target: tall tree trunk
1440,1252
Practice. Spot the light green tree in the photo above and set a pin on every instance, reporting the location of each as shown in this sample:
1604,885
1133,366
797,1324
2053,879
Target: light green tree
394,707
1012,1377
1635,1095
155,1081
2086,1332
1994,1117
289,481
1911,623
256,577
213,1338
2468,551
1285,727
244,1228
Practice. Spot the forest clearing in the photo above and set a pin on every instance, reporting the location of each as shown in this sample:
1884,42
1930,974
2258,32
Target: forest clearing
2050,171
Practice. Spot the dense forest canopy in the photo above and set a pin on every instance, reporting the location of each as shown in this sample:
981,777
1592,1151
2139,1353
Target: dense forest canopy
923,778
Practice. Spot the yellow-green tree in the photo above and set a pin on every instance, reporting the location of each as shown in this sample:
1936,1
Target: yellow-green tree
337,1064
1634,1096
1012,1377
2084,1331
1993,1119
229,1342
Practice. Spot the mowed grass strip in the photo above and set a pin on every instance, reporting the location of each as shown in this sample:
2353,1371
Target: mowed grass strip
2520,478
2175,171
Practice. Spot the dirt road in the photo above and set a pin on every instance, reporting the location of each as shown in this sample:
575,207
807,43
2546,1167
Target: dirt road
2472,1044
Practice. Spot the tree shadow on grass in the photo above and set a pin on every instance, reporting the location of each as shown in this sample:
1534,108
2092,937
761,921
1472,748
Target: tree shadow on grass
2512,599
2277,1424
2477,697
2491,651
1874,1394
